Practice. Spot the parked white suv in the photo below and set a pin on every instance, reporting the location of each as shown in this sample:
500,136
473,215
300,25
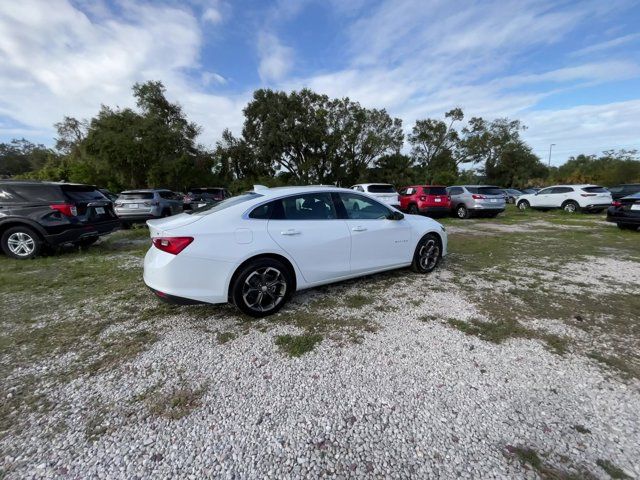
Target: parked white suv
571,198
385,192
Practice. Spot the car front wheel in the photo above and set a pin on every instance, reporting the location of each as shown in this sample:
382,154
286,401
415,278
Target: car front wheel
427,254
21,243
262,287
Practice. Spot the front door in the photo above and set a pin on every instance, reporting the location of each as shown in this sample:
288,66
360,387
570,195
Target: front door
376,241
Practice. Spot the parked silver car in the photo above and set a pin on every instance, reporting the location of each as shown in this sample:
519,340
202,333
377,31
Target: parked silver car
468,200
135,206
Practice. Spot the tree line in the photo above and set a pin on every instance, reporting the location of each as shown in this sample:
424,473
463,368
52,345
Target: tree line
301,137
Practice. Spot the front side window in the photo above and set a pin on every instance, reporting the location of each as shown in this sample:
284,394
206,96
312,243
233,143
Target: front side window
363,208
545,191
310,206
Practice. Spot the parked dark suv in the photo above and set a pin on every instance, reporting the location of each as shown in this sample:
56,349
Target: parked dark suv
37,214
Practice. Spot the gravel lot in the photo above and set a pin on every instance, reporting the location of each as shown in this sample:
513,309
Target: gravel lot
400,384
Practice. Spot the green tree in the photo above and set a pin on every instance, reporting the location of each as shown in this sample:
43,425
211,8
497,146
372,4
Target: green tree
20,156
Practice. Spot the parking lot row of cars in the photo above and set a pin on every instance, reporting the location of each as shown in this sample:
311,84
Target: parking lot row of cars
37,215
464,201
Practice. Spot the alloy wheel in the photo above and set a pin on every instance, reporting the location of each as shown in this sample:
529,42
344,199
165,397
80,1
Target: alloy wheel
570,207
428,255
264,289
21,244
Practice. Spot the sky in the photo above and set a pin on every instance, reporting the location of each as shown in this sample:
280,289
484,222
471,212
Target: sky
570,71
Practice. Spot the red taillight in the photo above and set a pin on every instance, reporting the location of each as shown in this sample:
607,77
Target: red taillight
478,197
172,245
616,204
67,209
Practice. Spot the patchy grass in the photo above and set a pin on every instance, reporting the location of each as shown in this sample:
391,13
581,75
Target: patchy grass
612,470
297,345
176,404
122,347
499,331
224,337
624,367
357,301
529,457
581,429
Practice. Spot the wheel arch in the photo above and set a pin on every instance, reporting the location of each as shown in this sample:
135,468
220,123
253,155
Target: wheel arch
274,256
10,223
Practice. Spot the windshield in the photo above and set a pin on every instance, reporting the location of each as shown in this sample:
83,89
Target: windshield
82,193
229,202
381,188
434,190
136,196
486,190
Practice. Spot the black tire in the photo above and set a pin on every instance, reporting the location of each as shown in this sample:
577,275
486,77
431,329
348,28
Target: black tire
259,277
627,226
86,242
125,225
493,215
413,209
21,243
523,205
570,206
427,255
462,212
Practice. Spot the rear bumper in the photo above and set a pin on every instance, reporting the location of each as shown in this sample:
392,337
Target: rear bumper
435,209
80,232
187,278
594,206
137,218
617,216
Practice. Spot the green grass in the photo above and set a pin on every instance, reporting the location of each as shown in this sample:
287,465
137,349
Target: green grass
612,470
499,331
224,337
176,404
297,345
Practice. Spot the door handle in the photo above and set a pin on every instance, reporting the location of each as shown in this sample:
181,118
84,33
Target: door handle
291,231
359,228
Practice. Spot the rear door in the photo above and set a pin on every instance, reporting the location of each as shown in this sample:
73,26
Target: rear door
376,242
307,227
92,205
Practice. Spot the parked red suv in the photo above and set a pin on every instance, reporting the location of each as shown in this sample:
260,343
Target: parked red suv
429,199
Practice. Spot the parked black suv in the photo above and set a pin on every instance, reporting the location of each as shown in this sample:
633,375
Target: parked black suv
620,191
198,197
36,214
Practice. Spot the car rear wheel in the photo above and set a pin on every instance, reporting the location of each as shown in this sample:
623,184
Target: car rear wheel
427,254
262,287
571,207
462,212
21,243
413,209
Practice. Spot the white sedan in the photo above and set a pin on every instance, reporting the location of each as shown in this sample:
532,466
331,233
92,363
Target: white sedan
257,248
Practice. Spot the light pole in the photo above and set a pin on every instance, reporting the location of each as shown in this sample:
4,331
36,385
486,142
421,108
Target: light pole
550,147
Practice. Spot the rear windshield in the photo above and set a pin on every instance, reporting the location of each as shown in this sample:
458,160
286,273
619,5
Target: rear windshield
136,196
486,190
229,202
82,193
595,190
434,190
382,188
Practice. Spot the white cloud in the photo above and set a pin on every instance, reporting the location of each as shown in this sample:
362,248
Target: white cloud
607,45
55,61
209,78
275,59
212,15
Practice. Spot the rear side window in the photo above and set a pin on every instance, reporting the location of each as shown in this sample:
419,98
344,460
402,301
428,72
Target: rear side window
268,211
312,206
595,190
81,193
31,194
381,188
137,196
434,190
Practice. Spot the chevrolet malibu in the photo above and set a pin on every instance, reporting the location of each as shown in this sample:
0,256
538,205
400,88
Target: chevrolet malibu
254,250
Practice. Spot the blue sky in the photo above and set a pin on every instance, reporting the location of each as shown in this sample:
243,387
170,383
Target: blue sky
569,70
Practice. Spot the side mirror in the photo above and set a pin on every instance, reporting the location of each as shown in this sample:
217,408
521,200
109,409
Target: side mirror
395,216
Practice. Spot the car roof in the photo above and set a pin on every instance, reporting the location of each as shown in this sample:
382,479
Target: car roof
292,190
374,183
146,190
475,186
45,182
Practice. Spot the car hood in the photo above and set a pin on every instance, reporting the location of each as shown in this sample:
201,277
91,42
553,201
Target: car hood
424,221
170,223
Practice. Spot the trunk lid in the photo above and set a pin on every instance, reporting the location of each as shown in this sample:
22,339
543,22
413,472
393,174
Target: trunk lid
157,227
